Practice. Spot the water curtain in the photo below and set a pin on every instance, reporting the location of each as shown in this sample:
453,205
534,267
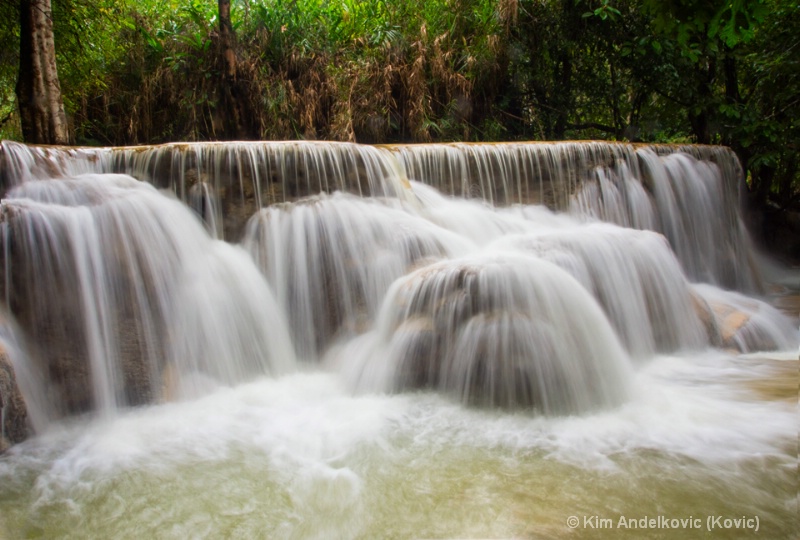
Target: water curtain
518,275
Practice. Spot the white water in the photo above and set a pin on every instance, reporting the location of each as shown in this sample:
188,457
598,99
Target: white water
509,331
691,194
332,258
137,288
688,204
301,457
464,370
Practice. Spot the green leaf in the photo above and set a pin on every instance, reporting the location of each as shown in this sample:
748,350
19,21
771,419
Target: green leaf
656,46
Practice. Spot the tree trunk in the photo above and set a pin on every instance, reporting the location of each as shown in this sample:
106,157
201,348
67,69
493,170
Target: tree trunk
762,182
699,125
700,117
787,177
230,104
39,100
731,78
562,98
226,39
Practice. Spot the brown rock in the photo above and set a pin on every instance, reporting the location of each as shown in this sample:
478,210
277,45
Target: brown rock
707,317
736,325
13,413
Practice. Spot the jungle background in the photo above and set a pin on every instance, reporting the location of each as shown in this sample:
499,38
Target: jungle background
405,71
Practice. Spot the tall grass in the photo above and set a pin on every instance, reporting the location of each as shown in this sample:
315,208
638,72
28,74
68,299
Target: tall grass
371,71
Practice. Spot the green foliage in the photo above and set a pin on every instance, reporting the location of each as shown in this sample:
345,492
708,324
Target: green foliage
605,11
721,71
688,21
9,62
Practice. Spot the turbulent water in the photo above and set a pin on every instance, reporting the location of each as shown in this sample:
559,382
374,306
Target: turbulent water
554,351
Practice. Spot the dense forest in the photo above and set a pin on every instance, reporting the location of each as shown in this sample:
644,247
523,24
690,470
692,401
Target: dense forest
378,71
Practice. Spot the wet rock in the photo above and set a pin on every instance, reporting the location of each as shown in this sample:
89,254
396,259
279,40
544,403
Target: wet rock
737,329
742,324
517,333
52,311
706,315
724,323
53,303
330,280
13,413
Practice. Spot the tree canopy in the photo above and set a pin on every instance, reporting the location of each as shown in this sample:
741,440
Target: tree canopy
379,71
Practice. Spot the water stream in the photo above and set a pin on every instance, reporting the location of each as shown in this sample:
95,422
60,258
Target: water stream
317,340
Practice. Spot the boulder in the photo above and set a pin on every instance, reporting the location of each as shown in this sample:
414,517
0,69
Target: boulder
512,333
13,413
741,324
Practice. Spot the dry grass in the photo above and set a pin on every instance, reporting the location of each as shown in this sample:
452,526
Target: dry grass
419,80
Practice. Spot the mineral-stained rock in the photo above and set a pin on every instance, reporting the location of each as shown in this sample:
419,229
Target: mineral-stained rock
739,323
703,310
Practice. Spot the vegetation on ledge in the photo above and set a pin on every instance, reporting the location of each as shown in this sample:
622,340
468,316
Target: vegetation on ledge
377,71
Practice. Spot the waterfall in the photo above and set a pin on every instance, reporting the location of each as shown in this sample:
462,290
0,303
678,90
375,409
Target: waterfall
332,259
509,331
690,194
635,277
688,201
508,173
127,299
15,379
517,275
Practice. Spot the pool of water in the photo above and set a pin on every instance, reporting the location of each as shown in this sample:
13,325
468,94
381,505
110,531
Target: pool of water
709,439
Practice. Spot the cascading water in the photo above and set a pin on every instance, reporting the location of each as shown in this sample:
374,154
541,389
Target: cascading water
686,200
14,412
507,330
689,194
635,277
123,291
488,364
331,259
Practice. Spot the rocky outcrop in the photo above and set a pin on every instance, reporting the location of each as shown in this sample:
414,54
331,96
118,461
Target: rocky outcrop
241,178
109,280
511,333
53,310
777,230
741,324
13,413
331,258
